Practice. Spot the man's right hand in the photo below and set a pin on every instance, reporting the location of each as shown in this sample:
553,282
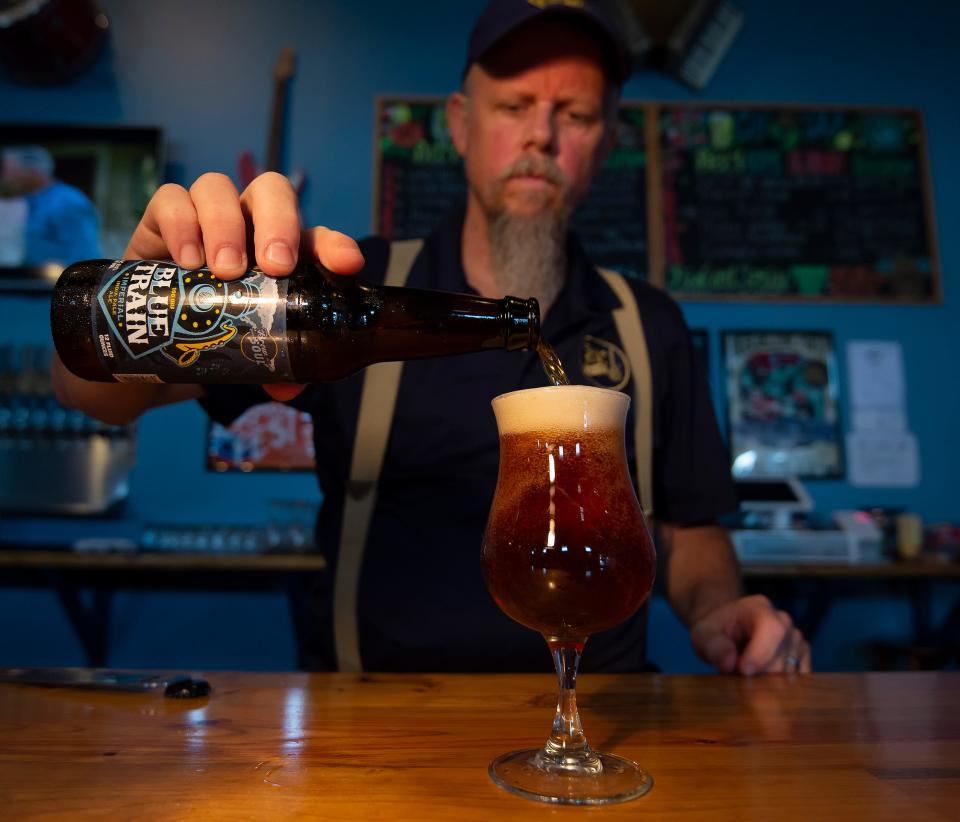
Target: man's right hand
213,224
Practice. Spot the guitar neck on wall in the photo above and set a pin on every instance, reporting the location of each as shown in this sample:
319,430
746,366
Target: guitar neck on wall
247,167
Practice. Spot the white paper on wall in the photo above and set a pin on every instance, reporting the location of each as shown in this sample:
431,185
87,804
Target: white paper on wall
878,419
883,459
875,374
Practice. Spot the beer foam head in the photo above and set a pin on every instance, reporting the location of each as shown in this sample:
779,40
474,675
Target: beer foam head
560,408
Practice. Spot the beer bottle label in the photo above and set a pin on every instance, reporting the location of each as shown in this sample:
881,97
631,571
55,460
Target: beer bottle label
157,322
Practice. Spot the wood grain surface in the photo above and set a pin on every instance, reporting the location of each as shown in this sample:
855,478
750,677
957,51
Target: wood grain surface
332,746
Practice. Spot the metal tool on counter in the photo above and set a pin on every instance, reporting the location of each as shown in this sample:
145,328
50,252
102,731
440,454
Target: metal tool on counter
175,686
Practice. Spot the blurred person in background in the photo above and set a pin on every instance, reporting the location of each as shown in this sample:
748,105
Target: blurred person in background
42,219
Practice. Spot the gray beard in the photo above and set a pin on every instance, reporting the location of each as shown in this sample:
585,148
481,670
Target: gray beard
529,255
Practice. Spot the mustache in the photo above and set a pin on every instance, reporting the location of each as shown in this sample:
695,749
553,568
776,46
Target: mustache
527,165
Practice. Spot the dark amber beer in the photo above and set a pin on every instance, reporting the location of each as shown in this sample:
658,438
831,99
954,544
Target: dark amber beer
152,321
566,550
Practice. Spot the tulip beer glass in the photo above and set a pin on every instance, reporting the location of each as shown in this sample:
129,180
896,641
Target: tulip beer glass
567,553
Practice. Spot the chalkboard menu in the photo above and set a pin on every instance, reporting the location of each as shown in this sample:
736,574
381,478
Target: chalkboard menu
612,220
716,201
420,177
419,173
764,201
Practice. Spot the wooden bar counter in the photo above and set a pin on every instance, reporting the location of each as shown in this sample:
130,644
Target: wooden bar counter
336,746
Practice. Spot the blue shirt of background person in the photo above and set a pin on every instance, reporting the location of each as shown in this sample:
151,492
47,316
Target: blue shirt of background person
62,226
62,223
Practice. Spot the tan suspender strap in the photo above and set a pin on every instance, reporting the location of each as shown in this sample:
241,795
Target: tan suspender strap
630,328
378,397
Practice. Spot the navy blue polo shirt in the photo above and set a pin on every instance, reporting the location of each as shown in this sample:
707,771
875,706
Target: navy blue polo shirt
422,604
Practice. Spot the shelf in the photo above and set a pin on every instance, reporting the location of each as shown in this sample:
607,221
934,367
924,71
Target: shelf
44,558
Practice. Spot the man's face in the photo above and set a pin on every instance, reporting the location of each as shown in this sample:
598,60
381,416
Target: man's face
534,132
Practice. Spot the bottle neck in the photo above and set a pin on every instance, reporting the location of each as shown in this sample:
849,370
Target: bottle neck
413,322
371,323
521,321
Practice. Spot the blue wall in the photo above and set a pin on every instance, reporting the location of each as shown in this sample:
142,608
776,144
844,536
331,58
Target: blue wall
204,76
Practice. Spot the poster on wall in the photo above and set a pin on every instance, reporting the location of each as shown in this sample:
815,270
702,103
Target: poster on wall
269,436
782,411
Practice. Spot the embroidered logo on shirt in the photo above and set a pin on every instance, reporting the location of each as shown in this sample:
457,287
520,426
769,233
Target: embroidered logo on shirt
604,364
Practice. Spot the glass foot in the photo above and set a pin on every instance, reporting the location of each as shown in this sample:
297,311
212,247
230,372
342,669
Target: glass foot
619,780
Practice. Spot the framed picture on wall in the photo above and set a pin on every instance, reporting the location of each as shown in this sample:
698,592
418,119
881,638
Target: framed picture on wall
266,437
782,410
71,193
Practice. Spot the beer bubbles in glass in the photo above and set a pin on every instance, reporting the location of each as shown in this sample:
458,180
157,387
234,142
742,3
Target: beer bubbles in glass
567,553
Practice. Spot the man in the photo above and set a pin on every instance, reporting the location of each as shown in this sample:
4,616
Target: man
59,223
534,121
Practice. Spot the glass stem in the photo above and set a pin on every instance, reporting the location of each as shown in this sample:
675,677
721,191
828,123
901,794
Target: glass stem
567,750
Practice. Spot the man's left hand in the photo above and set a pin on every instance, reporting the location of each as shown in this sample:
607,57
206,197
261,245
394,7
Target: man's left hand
750,636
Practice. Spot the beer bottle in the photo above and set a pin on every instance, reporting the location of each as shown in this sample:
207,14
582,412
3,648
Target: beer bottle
152,321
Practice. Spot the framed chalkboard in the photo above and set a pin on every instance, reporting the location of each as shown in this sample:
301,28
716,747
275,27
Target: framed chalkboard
716,201
795,202
418,173
419,176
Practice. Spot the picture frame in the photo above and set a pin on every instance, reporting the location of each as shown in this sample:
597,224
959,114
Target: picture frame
270,436
783,410
103,176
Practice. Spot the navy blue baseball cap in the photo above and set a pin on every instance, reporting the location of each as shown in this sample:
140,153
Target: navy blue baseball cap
501,17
